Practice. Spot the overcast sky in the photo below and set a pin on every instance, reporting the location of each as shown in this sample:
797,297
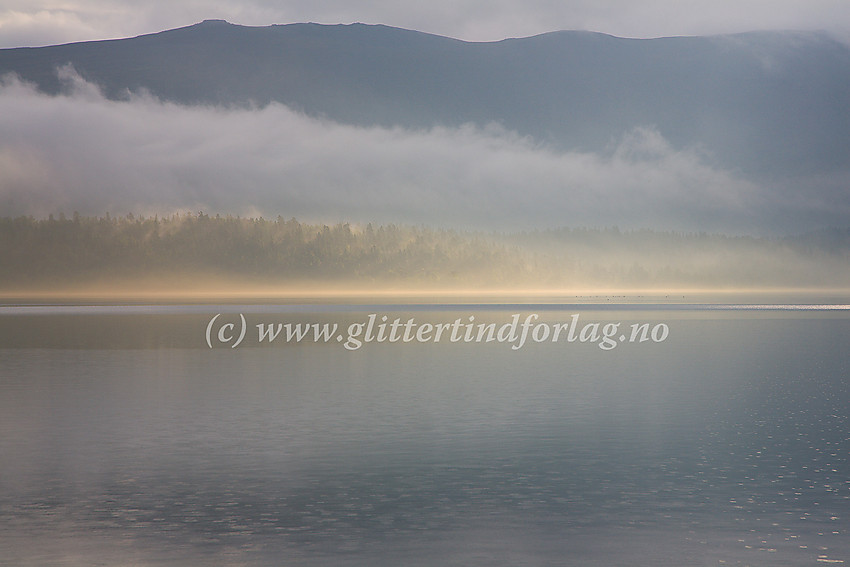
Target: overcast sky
43,22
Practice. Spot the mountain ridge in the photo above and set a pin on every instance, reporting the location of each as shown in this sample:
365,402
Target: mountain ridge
768,103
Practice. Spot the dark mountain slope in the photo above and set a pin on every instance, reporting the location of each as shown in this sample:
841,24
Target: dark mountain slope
766,103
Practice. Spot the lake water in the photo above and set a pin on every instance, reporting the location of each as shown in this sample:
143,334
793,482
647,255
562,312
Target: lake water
126,440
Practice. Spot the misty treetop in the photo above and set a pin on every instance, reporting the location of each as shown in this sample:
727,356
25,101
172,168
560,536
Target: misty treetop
61,251
188,244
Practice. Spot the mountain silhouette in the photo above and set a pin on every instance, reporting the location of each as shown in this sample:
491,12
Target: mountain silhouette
765,104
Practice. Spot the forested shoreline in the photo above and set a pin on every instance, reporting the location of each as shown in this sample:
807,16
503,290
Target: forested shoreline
61,251
78,248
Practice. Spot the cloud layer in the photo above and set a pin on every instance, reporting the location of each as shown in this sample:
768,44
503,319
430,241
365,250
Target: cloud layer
42,22
82,152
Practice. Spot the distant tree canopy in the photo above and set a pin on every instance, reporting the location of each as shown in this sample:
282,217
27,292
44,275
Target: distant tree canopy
80,247
63,251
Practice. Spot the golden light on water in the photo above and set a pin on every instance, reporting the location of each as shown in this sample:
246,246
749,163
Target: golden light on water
216,289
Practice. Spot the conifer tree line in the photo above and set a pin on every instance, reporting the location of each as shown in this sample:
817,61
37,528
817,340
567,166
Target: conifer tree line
61,249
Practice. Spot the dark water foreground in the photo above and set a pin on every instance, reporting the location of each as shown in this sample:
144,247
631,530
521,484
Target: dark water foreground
126,440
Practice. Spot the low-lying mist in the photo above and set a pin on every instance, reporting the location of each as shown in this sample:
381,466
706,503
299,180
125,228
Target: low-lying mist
197,254
82,152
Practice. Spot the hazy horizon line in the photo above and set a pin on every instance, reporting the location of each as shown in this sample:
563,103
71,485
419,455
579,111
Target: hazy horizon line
181,213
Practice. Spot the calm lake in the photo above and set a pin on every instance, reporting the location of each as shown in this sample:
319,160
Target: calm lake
125,439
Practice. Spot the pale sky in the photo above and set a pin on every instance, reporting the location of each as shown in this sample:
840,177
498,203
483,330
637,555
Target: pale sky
44,22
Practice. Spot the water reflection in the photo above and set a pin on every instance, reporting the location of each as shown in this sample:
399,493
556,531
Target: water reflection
726,443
